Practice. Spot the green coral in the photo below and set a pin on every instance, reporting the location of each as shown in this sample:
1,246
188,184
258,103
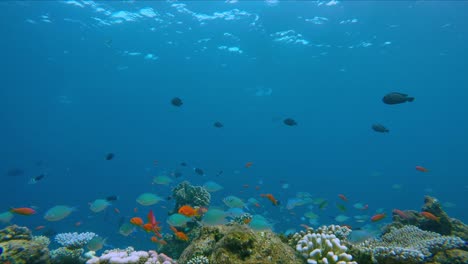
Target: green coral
408,244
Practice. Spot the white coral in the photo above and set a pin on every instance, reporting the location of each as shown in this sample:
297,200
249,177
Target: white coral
323,249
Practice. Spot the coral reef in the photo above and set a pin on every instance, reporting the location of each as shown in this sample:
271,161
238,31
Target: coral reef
42,240
64,255
408,244
20,248
74,240
341,232
444,226
323,248
129,255
199,260
186,194
239,244
243,219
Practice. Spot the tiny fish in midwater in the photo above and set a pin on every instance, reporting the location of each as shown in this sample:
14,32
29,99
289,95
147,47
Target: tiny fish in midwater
380,128
397,98
176,101
290,122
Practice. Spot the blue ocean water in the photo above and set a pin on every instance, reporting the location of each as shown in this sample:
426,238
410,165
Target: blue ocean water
80,79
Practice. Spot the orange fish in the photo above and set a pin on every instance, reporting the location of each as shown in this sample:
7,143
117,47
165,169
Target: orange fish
270,197
77,224
39,227
430,216
248,164
305,226
257,204
342,197
136,221
180,235
257,188
148,227
23,211
188,211
400,213
247,221
421,169
135,210
159,241
116,210
377,217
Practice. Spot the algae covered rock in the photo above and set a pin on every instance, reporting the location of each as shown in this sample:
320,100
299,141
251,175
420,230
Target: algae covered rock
454,256
19,248
239,244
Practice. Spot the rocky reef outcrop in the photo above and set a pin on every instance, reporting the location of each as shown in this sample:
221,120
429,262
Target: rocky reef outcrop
19,247
239,244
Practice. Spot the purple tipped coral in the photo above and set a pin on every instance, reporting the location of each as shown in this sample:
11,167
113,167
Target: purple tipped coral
129,255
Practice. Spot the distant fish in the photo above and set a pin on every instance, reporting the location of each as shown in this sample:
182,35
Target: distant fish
199,171
380,128
219,173
377,217
249,164
23,211
218,124
397,98
421,169
290,122
183,164
176,101
34,180
112,198
110,156
343,197
430,216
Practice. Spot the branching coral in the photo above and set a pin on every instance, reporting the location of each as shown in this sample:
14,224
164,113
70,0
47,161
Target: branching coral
187,194
323,248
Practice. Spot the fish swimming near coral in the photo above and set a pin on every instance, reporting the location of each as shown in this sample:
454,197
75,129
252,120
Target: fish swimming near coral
23,211
377,217
397,98
430,216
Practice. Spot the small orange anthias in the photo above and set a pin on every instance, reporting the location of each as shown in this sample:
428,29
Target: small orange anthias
151,226
189,211
270,197
179,234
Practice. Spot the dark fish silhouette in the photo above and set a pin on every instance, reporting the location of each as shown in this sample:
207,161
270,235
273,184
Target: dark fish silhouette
199,171
110,156
176,101
218,124
112,198
219,173
183,164
397,98
290,122
380,128
177,174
